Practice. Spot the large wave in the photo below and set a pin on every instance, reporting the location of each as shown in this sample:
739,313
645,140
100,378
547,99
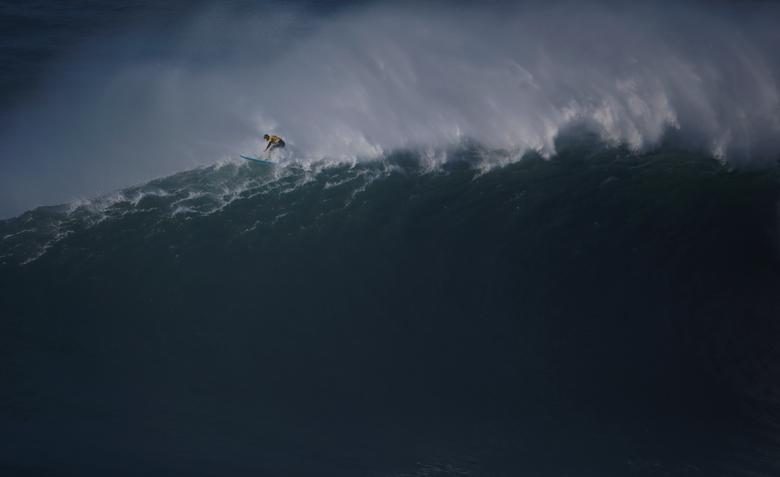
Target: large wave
360,83
611,316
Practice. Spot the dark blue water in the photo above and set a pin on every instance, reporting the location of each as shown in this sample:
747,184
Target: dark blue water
598,312
609,316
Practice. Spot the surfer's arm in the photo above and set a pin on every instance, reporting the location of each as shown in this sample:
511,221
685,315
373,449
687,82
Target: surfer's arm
269,145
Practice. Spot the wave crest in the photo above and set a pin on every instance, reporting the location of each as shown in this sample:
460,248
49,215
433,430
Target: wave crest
359,84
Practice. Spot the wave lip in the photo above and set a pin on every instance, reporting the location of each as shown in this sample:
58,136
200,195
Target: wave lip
353,86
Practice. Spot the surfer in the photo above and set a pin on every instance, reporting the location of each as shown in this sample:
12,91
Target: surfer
274,142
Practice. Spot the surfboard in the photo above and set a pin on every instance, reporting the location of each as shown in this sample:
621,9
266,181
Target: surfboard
260,161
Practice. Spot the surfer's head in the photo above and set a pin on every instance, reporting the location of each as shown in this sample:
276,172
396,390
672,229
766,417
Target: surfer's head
266,137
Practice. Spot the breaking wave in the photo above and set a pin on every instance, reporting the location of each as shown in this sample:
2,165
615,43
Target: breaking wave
364,82
601,310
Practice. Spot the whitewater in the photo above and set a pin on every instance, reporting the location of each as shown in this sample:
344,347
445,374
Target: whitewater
362,82
505,239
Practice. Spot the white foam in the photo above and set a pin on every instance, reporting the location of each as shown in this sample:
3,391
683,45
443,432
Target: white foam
372,80
58,236
16,234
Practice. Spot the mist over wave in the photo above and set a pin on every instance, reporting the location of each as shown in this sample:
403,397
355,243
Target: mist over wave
359,84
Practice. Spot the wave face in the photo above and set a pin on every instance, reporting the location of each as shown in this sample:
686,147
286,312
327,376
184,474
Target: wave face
505,240
598,313
359,83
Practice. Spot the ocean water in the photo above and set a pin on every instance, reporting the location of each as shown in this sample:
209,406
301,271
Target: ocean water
478,256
